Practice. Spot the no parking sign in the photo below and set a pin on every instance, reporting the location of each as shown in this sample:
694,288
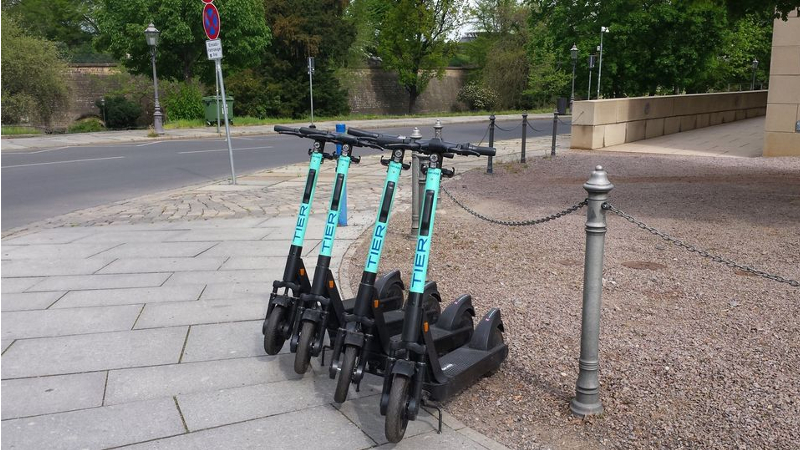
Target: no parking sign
211,23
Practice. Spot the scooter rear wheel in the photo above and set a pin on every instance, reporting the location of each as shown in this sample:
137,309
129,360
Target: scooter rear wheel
396,416
273,339
345,374
303,357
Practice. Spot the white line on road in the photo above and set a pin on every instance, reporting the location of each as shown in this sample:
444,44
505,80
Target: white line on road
224,150
63,162
149,143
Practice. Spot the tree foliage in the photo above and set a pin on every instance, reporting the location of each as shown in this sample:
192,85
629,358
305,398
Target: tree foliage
413,41
181,47
33,85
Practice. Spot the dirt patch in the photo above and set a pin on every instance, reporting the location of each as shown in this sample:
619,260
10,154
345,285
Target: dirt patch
691,354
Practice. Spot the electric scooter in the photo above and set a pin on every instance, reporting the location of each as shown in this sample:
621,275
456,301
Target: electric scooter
414,365
363,342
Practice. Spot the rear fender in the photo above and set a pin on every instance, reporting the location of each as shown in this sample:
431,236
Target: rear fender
382,287
452,314
482,337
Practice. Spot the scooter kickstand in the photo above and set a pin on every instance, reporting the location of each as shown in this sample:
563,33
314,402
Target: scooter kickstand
435,405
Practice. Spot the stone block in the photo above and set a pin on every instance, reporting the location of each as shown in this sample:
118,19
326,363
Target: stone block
92,352
111,297
688,123
366,414
784,89
715,118
105,427
781,117
728,116
785,60
80,282
614,134
254,262
52,236
220,291
200,312
753,99
224,276
741,114
756,112
130,385
672,125
779,144
149,265
654,128
252,248
60,322
786,33
448,440
28,301
221,234
46,395
586,137
15,285
51,267
284,431
161,250
635,131
703,120
226,340
54,251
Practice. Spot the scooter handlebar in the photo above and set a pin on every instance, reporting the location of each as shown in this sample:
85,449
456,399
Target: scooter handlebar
476,150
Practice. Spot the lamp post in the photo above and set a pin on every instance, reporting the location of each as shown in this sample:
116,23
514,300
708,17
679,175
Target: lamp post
574,54
103,107
600,63
753,82
151,36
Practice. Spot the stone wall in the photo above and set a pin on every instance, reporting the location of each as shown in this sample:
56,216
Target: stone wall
376,91
782,125
89,82
602,123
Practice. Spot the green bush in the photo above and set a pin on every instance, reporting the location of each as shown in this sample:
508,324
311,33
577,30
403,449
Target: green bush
120,112
87,125
251,97
185,103
477,97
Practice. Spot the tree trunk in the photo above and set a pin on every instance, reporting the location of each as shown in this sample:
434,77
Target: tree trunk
413,94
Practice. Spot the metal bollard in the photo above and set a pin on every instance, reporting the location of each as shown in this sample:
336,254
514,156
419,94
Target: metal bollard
415,184
524,136
489,168
555,130
587,389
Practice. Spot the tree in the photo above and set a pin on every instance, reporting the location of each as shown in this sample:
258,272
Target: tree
181,47
412,41
33,77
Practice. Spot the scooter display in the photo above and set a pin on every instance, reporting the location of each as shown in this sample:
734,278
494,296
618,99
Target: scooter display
415,364
363,342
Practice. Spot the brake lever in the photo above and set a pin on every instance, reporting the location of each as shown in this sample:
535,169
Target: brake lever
355,159
329,155
448,172
385,162
406,166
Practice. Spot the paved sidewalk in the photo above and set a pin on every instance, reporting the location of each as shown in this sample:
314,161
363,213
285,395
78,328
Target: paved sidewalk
118,137
139,324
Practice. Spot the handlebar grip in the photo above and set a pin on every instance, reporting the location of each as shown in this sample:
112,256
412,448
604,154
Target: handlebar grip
485,151
285,129
306,131
363,133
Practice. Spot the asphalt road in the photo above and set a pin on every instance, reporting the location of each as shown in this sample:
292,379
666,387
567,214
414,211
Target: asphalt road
40,184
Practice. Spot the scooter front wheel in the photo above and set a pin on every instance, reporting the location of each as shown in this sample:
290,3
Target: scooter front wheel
396,416
303,357
273,338
345,374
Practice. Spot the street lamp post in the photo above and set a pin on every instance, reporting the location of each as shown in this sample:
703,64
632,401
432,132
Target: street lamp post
574,54
600,63
103,107
753,82
151,36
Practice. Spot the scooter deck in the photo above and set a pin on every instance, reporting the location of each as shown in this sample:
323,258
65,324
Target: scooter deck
463,367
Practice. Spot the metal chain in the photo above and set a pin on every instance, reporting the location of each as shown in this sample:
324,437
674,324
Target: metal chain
519,223
484,135
703,253
508,129
531,127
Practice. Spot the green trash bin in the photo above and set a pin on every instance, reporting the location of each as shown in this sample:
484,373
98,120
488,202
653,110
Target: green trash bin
210,108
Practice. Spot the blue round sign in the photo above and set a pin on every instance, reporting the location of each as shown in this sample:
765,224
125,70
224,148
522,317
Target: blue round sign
211,23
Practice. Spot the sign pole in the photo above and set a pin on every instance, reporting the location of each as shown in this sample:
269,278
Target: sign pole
218,63
216,79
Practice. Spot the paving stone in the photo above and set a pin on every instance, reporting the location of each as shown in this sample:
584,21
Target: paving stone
60,322
481,439
104,427
149,265
128,237
14,285
448,440
92,352
250,222
128,385
255,262
200,312
224,276
226,340
129,296
46,395
28,301
366,414
210,409
54,236
221,234
253,248
5,343
80,282
162,250
238,290
50,267
54,251
321,427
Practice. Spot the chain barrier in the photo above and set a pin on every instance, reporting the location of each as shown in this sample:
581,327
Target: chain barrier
484,135
506,129
534,129
519,223
703,253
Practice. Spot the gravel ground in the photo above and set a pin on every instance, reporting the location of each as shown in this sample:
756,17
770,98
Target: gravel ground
693,354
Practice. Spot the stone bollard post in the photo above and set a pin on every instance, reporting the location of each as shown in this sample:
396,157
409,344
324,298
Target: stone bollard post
524,136
555,131
587,389
489,167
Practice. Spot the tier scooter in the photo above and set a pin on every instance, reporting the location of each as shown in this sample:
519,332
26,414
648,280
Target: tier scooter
363,342
414,365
